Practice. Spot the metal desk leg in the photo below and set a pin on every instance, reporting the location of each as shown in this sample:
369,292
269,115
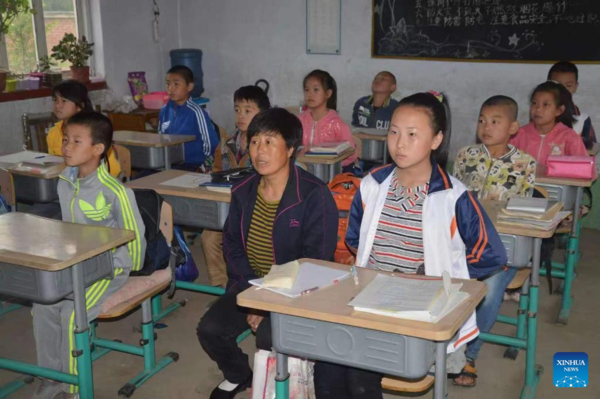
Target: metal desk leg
282,379
533,371
572,255
439,390
331,173
167,158
82,337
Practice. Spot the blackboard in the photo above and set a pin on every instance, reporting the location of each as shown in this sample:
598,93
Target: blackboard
487,30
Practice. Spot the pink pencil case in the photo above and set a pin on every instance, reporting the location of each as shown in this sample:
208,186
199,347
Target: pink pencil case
573,167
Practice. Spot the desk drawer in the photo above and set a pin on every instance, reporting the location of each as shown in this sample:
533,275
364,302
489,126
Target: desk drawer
154,158
372,150
49,287
518,249
33,189
192,212
564,194
386,353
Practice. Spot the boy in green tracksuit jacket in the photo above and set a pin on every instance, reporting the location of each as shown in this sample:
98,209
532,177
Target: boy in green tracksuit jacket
88,194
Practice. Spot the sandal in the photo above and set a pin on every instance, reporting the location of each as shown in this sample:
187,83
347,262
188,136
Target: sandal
468,371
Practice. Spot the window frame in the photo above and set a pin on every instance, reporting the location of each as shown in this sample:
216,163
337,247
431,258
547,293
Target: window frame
82,19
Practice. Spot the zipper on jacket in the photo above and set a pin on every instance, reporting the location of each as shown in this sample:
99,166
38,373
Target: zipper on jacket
73,201
540,148
312,135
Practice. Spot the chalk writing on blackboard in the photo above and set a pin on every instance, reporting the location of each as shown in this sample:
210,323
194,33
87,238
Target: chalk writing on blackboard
478,29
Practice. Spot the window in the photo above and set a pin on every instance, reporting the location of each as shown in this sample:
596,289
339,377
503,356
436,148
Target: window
32,36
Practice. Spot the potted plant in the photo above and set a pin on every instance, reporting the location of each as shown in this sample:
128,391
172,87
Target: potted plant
47,77
77,52
9,10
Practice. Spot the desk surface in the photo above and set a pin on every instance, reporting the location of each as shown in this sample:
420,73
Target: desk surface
45,173
594,150
540,177
52,245
331,304
141,139
325,159
493,207
154,182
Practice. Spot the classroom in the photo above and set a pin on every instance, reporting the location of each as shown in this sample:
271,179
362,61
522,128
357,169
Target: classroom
124,217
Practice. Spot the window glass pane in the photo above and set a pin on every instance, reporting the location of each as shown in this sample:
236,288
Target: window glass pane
20,45
60,18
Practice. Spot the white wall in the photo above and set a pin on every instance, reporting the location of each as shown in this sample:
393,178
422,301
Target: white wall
244,41
127,46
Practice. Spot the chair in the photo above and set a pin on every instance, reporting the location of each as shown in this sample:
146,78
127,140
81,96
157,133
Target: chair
135,292
124,157
35,129
398,384
7,188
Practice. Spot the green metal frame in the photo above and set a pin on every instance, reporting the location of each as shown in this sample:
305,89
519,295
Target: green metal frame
526,323
7,309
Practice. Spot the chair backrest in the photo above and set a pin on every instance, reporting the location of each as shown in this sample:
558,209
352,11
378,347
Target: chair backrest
166,221
35,129
124,157
7,187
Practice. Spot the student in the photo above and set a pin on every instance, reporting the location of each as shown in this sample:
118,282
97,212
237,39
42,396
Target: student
493,170
550,130
375,111
567,74
88,194
183,116
248,102
280,214
71,97
320,122
412,217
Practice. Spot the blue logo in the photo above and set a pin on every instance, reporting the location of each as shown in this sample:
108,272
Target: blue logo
571,370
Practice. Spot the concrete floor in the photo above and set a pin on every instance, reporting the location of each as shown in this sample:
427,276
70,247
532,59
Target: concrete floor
195,375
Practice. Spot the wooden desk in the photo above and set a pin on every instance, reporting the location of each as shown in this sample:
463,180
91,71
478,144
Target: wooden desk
493,207
34,184
136,120
152,151
374,143
324,167
330,305
47,247
196,207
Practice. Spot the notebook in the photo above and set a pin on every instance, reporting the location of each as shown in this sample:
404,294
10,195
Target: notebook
329,149
529,205
310,278
410,298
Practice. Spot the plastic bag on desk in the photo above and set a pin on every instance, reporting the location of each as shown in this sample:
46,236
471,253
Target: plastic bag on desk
301,381
115,103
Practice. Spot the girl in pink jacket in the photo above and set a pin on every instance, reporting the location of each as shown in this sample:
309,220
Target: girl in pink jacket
320,122
550,130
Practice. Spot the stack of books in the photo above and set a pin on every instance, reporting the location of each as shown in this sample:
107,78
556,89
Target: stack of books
535,213
328,149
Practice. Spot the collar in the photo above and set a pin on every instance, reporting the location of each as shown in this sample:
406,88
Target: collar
438,181
70,174
511,151
385,103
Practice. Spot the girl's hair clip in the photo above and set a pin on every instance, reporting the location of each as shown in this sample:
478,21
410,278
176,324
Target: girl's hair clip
438,95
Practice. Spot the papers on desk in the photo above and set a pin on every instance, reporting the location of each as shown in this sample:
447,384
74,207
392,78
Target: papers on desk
328,149
282,276
538,224
310,278
409,298
189,180
30,160
218,187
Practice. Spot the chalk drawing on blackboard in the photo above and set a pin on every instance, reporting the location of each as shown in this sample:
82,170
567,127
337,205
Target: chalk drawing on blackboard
410,41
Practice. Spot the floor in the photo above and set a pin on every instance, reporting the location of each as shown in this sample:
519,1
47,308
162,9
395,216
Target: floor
194,375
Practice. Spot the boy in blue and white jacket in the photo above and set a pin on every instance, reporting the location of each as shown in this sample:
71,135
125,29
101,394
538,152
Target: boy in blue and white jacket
182,116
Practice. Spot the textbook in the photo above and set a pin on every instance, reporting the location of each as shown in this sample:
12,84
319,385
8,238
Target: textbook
218,187
328,149
552,209
417,299
529,205
310,278
538,224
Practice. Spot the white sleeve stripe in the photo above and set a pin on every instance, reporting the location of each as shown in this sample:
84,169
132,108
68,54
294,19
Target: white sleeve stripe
202,125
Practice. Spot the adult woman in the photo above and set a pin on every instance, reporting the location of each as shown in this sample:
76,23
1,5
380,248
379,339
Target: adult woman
281,213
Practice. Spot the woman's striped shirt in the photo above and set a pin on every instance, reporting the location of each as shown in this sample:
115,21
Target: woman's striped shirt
260,243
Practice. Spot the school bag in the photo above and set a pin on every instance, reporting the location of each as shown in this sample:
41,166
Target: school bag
343,187
149,203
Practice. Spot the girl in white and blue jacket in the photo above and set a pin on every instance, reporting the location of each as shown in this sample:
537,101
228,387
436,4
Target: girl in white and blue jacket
413,217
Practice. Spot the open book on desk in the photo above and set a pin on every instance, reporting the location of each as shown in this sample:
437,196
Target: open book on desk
410,298
310,278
